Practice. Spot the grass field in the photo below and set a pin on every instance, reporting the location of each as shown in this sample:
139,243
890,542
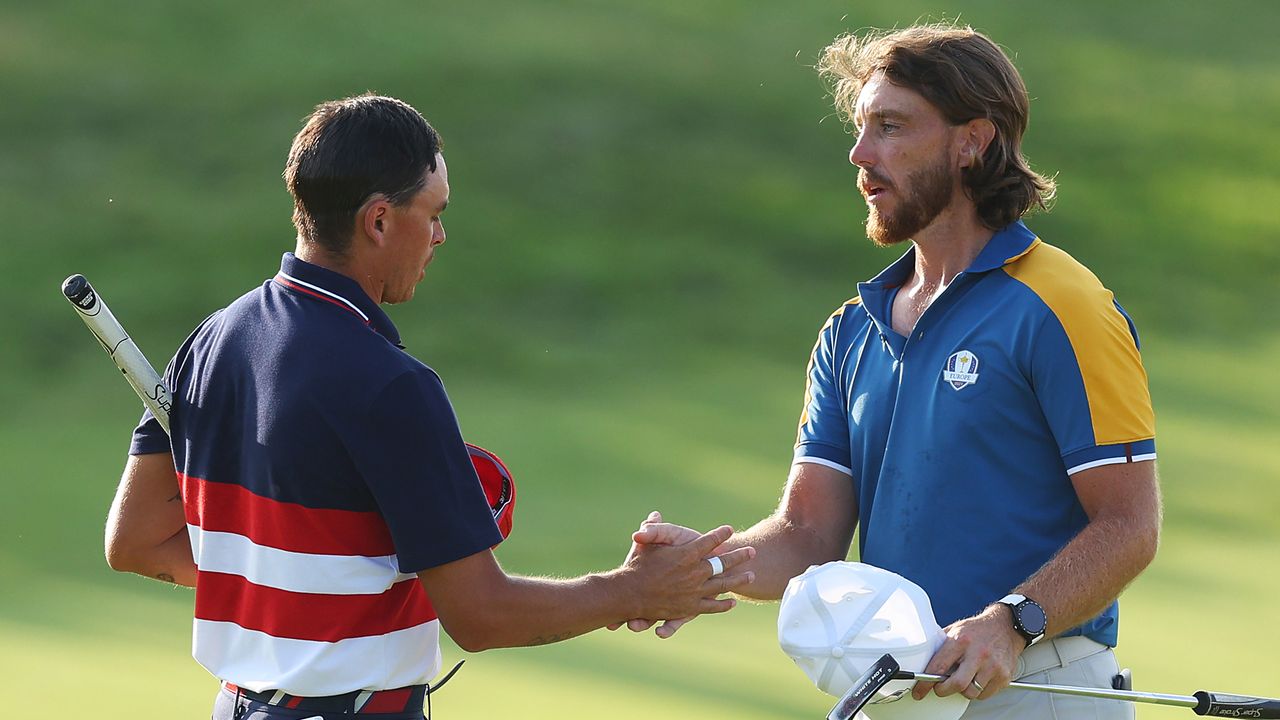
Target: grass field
652,215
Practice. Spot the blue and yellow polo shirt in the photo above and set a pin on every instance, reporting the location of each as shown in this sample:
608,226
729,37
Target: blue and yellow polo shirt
961,438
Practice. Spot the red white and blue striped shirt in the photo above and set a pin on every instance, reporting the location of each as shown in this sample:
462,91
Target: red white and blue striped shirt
321,467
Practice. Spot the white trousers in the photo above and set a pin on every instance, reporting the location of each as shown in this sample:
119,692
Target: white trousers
1064,661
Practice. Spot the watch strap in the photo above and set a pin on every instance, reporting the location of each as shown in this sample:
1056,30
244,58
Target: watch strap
1016,601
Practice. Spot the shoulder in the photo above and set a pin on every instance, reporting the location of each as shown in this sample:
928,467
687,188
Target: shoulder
1069,291
1054,275
848,310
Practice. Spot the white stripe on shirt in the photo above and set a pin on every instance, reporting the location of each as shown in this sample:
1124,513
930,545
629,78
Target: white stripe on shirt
233,554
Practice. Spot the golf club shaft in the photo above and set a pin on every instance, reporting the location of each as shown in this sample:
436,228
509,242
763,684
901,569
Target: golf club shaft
1203,702
143,378
1107,693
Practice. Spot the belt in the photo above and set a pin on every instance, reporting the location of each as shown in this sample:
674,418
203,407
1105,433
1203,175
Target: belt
1056,653
356,702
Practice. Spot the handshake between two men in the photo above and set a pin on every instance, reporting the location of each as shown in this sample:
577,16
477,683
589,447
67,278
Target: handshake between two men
728,570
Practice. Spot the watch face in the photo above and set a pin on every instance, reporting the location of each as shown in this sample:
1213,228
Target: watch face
1032,618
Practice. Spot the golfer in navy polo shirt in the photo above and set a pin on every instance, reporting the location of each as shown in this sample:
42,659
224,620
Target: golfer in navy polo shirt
979,412
316,491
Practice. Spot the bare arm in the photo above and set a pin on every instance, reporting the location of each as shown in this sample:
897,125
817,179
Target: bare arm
1123,505
482,607
813,524
146,528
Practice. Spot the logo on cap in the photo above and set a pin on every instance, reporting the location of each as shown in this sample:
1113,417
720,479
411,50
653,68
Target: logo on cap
961,369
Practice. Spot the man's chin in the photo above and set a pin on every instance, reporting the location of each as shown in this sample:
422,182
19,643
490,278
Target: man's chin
881,233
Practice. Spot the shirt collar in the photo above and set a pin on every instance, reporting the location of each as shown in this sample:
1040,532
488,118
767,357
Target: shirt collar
337,289
1008,244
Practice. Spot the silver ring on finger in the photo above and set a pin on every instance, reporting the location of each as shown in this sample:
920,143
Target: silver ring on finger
717,567
975,684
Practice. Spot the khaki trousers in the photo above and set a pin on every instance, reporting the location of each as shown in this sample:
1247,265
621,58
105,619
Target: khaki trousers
1064,661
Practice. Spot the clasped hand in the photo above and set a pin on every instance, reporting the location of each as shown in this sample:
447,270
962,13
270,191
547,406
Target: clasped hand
650,539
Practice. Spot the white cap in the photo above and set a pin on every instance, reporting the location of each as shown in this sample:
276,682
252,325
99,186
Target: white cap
837,619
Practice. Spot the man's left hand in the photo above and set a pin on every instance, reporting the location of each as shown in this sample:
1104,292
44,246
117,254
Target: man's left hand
980,655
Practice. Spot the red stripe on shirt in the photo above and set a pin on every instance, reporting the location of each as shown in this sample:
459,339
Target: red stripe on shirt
318,296
226,507
310,616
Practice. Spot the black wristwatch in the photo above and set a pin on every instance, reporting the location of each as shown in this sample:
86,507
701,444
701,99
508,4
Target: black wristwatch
1029,619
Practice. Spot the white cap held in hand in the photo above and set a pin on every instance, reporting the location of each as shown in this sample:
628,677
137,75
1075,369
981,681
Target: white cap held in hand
837,619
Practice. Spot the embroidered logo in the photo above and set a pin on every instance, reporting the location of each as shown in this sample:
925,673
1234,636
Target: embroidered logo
961,369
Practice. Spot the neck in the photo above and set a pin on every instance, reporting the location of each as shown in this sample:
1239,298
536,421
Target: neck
349,264
949,244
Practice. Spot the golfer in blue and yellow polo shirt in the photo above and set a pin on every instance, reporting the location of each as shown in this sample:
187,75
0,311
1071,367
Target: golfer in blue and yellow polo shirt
979,413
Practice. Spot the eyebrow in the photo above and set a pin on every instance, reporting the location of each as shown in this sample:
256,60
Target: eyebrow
884,114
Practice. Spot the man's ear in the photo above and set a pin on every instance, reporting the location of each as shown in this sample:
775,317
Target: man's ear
371,218
976,136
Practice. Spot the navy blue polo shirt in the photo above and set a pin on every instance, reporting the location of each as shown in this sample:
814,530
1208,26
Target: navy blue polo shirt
300,393
962,438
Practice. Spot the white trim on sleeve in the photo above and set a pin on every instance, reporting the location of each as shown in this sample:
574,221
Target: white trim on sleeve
824,462
1110,461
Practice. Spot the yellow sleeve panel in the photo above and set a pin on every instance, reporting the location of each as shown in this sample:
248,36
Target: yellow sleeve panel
1106,351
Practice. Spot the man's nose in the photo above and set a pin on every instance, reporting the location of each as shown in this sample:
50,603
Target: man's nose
860,153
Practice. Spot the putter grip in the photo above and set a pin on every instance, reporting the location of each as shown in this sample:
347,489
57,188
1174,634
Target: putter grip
146,382
1237,706
76,288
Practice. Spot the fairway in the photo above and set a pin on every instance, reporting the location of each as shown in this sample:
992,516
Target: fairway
652,216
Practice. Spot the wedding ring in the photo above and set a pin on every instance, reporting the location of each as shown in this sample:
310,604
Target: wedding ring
717,567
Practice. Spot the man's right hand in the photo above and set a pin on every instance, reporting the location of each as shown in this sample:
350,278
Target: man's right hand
672,575
653,531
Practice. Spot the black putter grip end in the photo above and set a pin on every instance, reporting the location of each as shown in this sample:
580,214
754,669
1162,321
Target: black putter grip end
76,288
1224,705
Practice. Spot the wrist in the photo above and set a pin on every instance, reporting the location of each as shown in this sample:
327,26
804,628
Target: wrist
1003,615
1027,618
621,592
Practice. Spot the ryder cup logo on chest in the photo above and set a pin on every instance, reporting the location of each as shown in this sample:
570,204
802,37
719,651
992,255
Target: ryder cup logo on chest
961,369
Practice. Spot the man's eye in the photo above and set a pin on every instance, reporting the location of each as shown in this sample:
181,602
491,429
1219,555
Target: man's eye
889,127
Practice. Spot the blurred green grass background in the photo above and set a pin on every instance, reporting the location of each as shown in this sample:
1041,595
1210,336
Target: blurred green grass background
652,215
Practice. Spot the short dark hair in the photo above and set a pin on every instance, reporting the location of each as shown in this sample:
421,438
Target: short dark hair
966,76
350,150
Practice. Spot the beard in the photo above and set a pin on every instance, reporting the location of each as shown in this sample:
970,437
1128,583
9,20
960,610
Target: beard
925,194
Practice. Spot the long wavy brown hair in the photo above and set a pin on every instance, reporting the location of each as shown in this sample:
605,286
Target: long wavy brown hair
966,76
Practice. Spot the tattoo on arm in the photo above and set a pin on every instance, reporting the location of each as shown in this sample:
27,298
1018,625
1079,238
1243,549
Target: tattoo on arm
548,639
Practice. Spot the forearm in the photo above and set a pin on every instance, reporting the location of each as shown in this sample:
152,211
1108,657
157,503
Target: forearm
146,531
1091,570
784,549
528,611
170,561
659,582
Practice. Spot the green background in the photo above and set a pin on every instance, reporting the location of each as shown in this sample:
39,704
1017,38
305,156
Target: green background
652,215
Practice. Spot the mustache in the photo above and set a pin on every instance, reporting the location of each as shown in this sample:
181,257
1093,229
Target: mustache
867,178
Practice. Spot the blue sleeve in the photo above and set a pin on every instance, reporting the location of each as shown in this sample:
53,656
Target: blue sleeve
149,437
1088,376
413,459
823,436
